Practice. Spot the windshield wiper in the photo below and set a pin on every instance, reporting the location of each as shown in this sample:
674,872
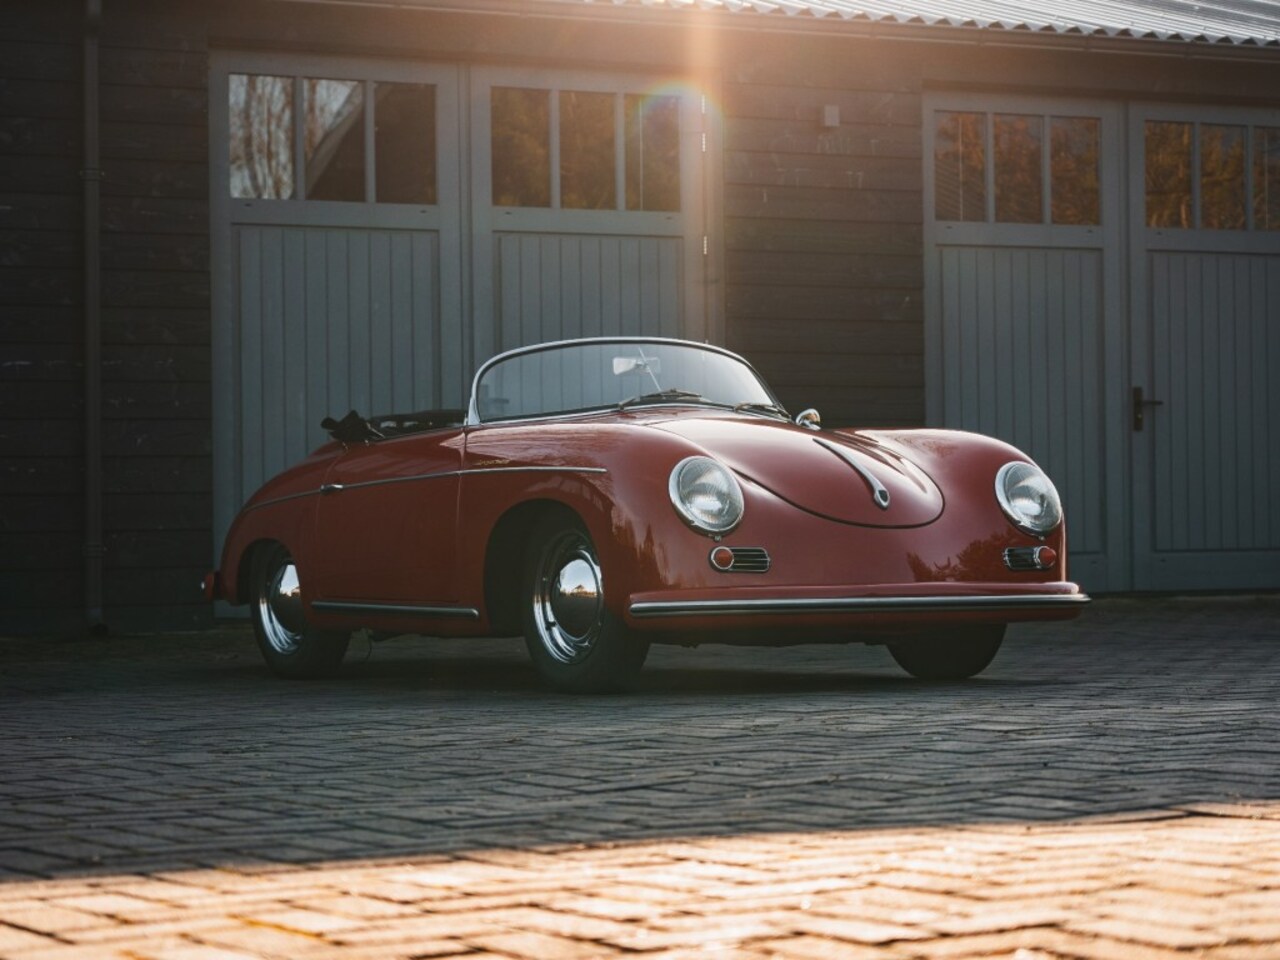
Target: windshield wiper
760,407
660,396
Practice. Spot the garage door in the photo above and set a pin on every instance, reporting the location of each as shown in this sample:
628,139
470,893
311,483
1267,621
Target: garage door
369,254
1142,376
1024,300
1205,406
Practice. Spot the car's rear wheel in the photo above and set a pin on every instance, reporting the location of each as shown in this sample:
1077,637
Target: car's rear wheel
291,646
963,652
575,642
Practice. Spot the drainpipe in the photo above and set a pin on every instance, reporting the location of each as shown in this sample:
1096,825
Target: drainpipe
91,175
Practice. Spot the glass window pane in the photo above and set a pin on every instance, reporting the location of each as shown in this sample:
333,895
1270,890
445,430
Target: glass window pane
261,136
1266,178
1168,174
404,142
588,173
333,139
520,135
1073,170
959,165
1222,184
1019,152
653,152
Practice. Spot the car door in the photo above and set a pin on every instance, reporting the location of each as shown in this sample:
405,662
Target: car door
387,520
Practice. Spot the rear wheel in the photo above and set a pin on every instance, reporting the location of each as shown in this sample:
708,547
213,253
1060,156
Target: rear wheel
963,653
574,641
291,646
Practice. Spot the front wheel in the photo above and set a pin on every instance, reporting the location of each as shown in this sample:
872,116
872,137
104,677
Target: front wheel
575,642
963,653
291,646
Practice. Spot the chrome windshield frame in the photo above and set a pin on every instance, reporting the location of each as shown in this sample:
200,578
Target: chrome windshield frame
473,412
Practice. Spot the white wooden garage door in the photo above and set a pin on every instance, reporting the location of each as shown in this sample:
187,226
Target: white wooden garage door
1145,378
368,254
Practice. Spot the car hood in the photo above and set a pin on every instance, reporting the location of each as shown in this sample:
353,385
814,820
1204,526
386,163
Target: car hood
850,476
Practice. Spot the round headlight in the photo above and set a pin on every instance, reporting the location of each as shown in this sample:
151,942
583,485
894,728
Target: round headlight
706,494
1029,498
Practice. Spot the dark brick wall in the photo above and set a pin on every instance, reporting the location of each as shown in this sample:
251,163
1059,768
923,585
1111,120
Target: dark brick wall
155,316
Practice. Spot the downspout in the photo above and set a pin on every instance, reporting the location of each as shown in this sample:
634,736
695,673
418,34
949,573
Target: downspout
91,176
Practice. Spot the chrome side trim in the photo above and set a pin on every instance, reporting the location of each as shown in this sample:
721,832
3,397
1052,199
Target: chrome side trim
879,493
406,609
332,488
746,607
534,470
285,499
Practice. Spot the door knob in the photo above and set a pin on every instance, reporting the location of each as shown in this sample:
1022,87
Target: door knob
1140,407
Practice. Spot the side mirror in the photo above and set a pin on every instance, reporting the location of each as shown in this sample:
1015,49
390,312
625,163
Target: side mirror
809,418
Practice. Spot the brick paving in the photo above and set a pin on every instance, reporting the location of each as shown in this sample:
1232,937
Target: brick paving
1109,788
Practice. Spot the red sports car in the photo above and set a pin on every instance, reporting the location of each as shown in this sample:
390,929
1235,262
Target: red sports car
599,495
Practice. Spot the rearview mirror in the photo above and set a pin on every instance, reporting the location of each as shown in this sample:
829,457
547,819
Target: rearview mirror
809,418
624,365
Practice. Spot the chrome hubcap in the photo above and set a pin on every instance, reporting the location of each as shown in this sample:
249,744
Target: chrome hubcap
280,609
568,598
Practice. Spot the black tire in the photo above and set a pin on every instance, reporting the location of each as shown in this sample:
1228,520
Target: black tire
576,644
963,653
292,647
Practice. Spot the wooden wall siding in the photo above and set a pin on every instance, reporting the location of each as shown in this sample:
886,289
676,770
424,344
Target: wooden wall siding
155,315
562,286
1022,348
1217,351
823,284
331,320
155,289
40,296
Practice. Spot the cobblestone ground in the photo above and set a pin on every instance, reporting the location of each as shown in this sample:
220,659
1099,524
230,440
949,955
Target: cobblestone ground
1110,788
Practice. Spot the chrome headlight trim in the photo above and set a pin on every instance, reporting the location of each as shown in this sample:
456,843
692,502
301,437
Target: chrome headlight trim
708,479
1028,498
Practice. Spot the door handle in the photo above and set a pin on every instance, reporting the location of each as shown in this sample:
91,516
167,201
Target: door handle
1140,407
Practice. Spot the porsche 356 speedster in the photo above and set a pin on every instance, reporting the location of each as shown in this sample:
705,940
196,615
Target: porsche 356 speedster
601,495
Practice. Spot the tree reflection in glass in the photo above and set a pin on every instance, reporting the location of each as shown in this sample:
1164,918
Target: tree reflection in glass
1266,178
1073,171
1168,174
1018,148
959,165
653,152
521,147
260,110
404,136
333,139
1222,177
588,159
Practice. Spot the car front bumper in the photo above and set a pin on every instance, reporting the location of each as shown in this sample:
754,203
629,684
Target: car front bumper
898,605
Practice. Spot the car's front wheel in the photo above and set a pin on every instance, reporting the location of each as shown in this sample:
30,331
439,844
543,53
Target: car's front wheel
575,642
291,646
962,653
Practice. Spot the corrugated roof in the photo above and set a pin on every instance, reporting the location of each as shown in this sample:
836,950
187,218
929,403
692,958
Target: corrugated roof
1243,22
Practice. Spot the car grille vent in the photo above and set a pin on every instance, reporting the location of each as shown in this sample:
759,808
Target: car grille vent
1025,558
748,560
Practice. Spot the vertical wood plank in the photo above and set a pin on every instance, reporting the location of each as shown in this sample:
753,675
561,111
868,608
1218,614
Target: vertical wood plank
317,359
336,272
400,313
269,416
359,321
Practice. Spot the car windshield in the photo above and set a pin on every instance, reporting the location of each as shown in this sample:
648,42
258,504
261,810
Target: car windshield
590,375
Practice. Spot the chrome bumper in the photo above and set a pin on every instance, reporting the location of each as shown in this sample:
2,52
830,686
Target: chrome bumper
800,605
